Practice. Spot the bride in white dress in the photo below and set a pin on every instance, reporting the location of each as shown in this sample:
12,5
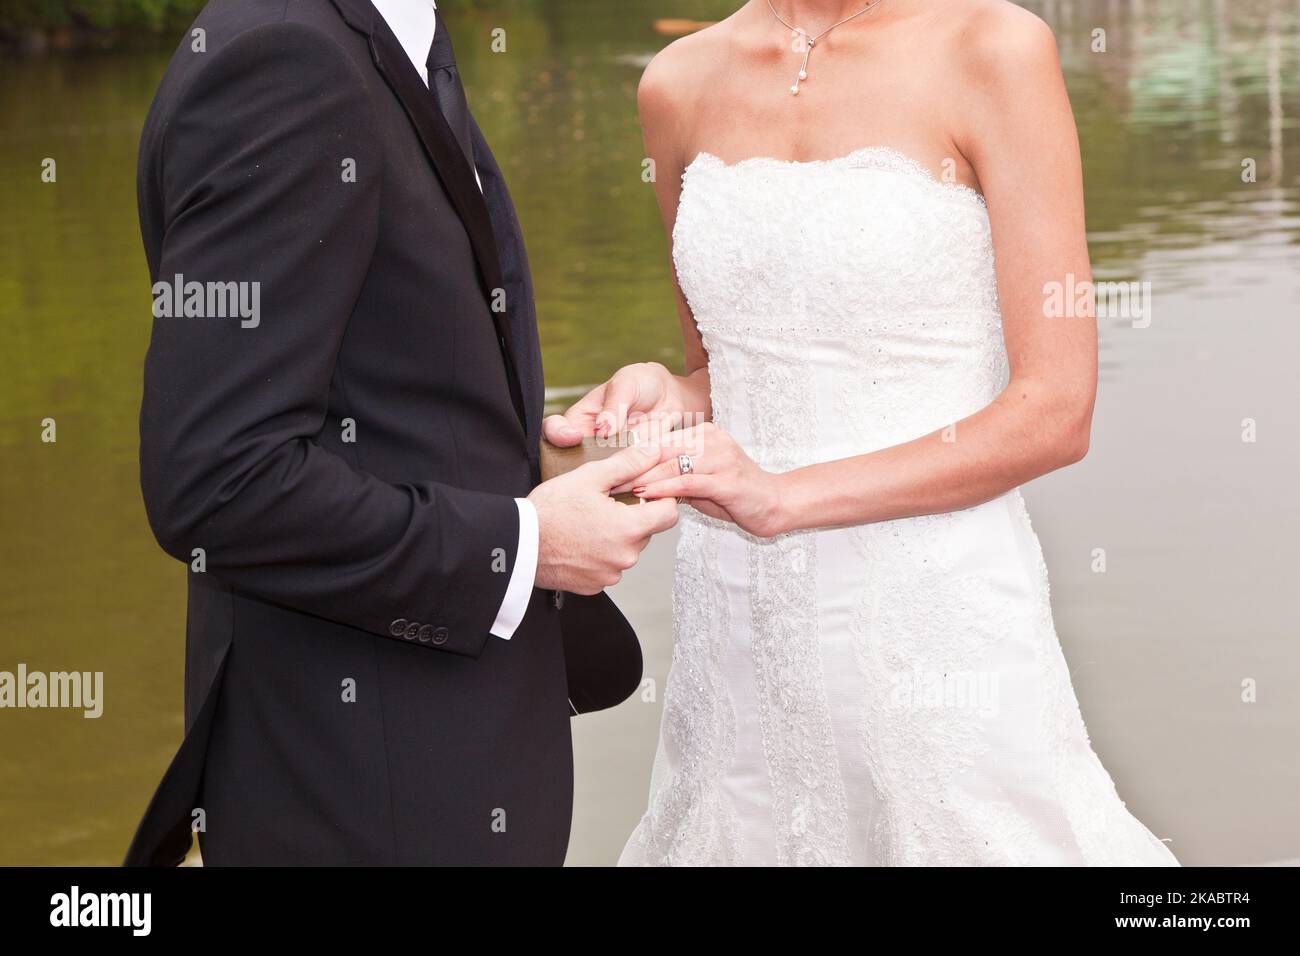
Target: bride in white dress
865,668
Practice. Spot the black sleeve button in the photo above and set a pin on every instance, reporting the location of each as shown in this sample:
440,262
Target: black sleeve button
440,635
412,630
426,634
398,627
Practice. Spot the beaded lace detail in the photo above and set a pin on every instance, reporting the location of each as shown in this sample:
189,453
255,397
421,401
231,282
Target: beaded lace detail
687,822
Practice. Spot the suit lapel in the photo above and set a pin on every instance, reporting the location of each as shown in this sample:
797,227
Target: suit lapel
451,167
515,274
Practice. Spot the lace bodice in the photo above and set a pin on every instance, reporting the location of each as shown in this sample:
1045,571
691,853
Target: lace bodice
867,272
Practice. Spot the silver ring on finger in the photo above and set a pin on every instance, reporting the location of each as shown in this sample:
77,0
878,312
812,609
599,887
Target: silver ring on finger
685,466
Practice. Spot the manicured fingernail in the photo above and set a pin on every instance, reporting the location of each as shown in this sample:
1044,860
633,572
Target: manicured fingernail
639,490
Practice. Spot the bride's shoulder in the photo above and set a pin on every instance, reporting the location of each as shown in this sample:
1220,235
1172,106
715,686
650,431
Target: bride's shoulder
1008,92
681,68
997,40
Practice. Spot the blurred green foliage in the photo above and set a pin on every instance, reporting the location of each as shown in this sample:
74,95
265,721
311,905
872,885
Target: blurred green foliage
21,15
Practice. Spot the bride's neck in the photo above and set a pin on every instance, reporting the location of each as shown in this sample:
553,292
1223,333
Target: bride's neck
816,15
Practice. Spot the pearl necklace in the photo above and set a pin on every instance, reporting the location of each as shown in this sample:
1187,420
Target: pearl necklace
809,41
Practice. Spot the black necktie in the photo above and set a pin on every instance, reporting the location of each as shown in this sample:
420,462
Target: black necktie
444,83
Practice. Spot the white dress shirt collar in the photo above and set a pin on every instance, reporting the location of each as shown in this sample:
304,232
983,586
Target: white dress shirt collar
413,23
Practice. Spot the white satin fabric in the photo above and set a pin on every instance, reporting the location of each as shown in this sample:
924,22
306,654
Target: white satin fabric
885,694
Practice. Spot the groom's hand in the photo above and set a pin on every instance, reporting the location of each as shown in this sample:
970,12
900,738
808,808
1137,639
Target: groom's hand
646,388
586,539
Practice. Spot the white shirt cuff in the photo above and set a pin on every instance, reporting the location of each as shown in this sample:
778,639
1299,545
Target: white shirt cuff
520,588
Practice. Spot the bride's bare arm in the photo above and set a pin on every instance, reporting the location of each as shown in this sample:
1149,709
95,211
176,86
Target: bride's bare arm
649,388
1018,133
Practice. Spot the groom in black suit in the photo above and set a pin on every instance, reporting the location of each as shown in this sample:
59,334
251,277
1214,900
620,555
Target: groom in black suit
339,436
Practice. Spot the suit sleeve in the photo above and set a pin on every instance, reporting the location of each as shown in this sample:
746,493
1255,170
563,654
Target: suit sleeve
251,180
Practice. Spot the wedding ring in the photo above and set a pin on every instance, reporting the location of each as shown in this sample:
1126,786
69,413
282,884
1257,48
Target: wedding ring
684,464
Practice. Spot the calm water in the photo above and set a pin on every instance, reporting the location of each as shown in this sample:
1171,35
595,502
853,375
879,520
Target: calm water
1201,530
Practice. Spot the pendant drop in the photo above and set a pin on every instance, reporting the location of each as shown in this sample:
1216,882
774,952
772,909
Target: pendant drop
803,67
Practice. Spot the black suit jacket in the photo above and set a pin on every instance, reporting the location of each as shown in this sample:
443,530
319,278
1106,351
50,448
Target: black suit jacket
343,471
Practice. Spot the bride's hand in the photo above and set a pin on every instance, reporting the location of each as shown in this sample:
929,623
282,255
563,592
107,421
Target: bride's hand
646,390
723,482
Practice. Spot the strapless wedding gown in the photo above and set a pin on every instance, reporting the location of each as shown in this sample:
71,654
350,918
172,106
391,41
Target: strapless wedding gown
892,693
